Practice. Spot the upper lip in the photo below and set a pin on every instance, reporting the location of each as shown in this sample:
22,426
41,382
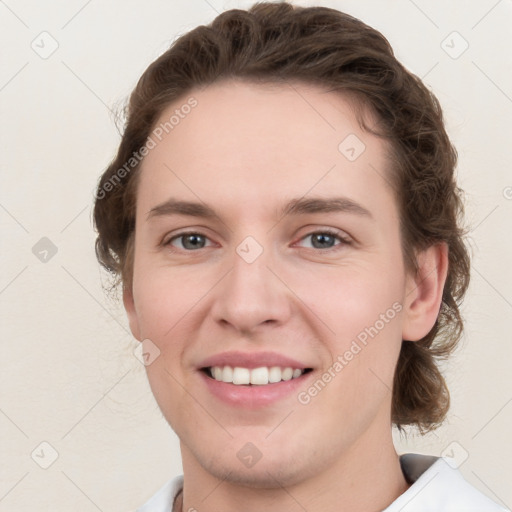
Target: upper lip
251,360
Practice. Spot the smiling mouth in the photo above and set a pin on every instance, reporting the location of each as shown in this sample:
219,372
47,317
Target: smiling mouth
261,376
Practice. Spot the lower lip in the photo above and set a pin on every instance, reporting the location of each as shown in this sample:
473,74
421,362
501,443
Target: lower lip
254,396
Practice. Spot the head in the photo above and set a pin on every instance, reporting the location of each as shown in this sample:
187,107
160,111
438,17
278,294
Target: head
326,223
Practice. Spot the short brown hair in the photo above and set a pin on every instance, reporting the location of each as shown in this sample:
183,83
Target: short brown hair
279,42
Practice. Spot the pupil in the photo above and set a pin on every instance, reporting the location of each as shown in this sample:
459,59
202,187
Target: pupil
322,240
193,241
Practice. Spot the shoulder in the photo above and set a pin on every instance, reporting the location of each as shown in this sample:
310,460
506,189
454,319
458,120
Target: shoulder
438,485
163,499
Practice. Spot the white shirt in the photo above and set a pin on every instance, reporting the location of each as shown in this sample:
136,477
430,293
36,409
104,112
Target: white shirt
436,487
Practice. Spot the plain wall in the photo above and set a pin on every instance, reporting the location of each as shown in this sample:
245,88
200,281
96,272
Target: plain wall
68,374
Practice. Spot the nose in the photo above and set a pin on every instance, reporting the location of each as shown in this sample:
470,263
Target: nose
251,296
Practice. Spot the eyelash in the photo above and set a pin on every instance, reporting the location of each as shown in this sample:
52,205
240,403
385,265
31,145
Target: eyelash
330,232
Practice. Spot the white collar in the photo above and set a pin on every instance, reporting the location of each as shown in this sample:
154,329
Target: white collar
437,485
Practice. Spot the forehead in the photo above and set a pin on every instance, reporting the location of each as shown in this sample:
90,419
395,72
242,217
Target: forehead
242,142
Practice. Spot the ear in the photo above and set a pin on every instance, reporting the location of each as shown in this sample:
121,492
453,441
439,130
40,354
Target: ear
424,292
129,306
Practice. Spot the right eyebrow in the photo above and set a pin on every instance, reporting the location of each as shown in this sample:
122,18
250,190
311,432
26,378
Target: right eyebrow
173,206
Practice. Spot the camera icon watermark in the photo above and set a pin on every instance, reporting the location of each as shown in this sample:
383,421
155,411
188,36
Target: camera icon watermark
146,352
454,45
351,147
507,193
44,455
44,250
249,249
455,454
249,455
45,45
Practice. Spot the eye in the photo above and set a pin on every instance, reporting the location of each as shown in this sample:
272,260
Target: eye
188,241
325,239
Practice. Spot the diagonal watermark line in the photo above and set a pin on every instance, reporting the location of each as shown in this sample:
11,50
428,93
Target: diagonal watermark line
216,487
85,494
422,281
424,14
199,403
13,13
206,2
493,287
280,423
85,85
200,200
13,423
485,15
420,491
490,490
492,81
301,300
74,218
311,106
197,302
13,279
304,195
287,492
14,485
97,402
14,76
95,300
485,218
492,419
76,14
382,175
431,69
385,385
14,218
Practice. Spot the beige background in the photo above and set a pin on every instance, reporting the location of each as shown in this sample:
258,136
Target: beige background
68,375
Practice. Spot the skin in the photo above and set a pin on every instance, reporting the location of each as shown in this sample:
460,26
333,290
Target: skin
245,151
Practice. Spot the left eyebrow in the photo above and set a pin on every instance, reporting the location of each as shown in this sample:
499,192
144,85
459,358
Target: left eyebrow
325,205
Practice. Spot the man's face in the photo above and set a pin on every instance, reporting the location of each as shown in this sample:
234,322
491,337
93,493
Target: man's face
299,267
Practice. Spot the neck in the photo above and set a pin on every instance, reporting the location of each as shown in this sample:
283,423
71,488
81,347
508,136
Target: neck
339,487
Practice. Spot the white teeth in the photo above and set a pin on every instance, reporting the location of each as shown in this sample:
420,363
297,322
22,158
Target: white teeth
217,373
241,376
259,376
256,376
287,374
227,374
274,374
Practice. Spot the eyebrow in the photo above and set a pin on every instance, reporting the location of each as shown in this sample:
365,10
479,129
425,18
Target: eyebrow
299,206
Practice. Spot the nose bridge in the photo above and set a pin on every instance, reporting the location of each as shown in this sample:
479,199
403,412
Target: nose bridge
250,268
251,294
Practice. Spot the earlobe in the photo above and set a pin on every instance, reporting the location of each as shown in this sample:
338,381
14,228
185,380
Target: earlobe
424,292
129,306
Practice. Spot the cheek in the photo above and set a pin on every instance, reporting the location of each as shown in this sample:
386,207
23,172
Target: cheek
351,298
163,297
361,309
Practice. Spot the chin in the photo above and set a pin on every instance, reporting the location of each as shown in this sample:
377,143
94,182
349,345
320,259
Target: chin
272,471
